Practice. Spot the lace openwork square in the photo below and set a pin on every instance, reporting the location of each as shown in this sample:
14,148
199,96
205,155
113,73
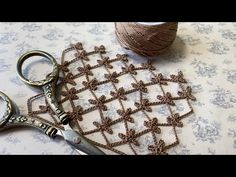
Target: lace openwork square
121,107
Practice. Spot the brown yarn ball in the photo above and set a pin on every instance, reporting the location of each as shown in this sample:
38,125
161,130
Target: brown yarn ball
146,40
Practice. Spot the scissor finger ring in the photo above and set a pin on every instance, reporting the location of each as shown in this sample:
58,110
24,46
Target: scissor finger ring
8,112
52,76
47,85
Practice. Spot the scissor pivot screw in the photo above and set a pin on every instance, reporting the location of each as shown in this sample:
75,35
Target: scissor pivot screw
77,140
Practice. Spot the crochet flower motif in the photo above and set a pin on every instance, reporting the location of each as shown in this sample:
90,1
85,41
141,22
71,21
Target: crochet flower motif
100,49
119,94
130,137
158,149
140,86
105,62
79,46
86,70
153,125
166,99
148,65
178,78
159,79
122,57
112,77
105,125
187,94
175,120
68,79
76,113
99,103
126,114
92,84
45,109
129,69
70,94
82,55
64,66
144,105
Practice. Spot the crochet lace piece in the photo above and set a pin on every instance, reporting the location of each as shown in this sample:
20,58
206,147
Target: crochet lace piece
119,106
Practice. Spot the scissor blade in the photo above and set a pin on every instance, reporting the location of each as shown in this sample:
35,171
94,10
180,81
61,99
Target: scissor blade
80,143
79,152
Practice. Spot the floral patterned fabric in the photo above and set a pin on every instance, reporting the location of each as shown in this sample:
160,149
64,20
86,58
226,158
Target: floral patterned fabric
205,52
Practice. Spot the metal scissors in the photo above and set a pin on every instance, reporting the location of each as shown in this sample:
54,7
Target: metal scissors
11,118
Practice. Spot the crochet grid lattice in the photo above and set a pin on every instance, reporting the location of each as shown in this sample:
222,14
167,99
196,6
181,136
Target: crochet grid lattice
118,116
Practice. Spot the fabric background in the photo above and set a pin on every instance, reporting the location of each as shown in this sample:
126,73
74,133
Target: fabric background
205,52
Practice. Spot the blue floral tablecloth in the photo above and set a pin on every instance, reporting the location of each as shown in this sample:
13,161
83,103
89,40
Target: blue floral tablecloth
205,52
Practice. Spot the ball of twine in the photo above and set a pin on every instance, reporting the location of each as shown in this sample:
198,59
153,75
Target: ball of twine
146,40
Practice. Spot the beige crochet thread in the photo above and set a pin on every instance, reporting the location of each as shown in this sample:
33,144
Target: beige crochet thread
147,40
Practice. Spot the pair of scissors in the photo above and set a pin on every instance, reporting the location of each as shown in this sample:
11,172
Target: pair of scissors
11,118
